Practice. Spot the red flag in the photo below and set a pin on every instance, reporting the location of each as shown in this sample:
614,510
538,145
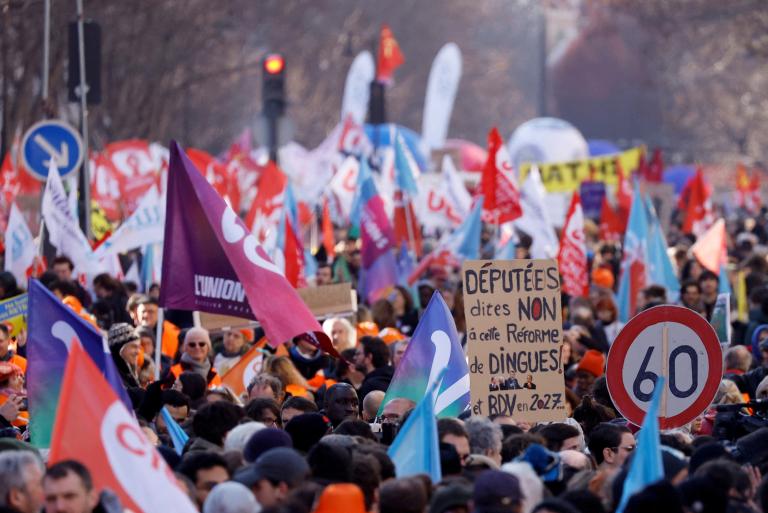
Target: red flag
611,225
217,173
572,257
264,215
623,196
696,204
390,56
107,186
293,253
138,166
753,202
404,215
655,169
498,184
94,427
328,239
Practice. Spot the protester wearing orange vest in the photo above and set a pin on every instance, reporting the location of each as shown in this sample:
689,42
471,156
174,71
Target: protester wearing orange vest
6,354
195,356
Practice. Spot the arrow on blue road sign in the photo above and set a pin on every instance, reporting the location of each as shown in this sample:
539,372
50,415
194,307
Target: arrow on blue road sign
51,140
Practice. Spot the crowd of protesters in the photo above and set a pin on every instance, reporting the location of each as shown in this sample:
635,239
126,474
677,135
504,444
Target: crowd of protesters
307,436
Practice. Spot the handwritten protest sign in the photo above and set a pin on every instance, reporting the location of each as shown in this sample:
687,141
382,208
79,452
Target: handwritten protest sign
13,313
567,176
514,338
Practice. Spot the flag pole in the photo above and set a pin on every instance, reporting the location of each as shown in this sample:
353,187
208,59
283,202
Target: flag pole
159,341
408,222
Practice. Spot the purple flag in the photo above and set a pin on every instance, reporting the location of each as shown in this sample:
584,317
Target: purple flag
212,263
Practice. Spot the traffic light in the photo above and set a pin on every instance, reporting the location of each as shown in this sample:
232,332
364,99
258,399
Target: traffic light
273,85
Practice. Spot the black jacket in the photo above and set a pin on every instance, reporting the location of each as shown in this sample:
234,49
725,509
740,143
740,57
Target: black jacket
378,379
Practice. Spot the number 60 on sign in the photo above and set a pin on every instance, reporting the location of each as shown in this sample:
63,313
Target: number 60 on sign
669,341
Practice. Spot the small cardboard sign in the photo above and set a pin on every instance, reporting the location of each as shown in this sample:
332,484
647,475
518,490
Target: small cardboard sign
325,301
515,338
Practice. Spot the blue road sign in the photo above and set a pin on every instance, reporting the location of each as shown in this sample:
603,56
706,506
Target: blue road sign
51,139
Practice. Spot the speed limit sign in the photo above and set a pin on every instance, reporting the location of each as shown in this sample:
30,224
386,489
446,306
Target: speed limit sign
669,341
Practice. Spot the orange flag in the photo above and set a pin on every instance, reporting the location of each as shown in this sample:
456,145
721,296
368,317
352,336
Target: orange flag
238,377
94,427
170,343
390,56
710,249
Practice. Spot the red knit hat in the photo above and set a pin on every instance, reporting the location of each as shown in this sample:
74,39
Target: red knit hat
593,362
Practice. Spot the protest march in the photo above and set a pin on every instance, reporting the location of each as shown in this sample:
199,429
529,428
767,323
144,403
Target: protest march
390,322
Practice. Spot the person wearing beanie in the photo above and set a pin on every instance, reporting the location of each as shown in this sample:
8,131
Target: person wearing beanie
497,492
307,429
345,497
590,368
236,344
263,440
125,347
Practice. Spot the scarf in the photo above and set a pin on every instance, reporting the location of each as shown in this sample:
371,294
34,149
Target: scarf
201,368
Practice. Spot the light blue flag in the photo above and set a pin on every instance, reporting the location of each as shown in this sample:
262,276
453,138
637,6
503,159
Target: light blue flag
724,287
635,259
507,251
363,175
403,169
646,466
660,269
464,242
416,449
178,436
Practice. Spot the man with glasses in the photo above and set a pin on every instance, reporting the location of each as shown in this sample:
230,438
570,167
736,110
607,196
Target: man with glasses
611,445
195,357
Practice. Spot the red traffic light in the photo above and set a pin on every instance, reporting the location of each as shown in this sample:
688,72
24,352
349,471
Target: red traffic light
274,64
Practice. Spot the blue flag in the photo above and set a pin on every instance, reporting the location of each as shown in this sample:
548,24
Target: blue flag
724,286
416,448
363,175
634,263
464,242
660,269
52,328
434,348
403,169
646,466
178,436
507,251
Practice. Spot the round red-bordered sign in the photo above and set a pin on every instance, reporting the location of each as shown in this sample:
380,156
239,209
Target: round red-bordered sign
637,354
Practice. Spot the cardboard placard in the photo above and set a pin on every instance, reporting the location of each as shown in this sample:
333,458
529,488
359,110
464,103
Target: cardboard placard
325,301
514,338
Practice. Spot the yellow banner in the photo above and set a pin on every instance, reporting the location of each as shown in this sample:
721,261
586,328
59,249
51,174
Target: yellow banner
567,176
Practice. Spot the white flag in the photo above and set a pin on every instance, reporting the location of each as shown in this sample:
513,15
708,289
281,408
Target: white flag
445,200
357,87
63,229
441,92
535,220
145,226
20,247
344,185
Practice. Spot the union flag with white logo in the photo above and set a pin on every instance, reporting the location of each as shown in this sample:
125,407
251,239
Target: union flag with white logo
96,429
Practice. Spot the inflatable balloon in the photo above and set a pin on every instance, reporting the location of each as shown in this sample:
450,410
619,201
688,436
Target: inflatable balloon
547,140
